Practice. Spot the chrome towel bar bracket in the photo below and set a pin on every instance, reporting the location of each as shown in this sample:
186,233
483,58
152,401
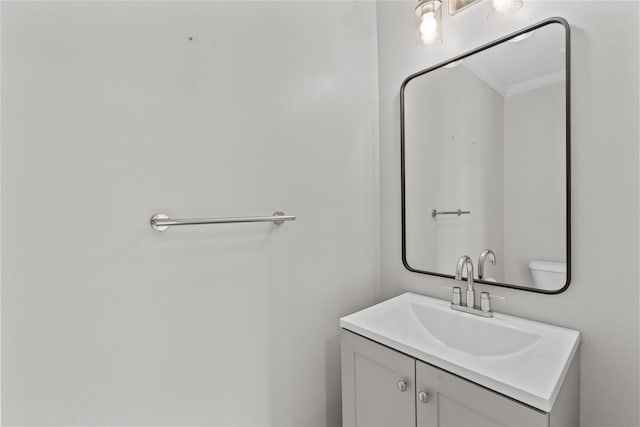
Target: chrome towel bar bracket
160,222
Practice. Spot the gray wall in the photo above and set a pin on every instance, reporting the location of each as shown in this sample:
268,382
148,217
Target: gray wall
111,114
535,193
451,141
603,300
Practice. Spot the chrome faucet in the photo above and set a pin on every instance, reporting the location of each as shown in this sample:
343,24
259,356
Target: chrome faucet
465,261
482,259
485,298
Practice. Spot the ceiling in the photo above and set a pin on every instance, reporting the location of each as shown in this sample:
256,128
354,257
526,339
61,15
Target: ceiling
520,66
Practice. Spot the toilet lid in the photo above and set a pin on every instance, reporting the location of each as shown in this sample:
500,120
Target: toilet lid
552,266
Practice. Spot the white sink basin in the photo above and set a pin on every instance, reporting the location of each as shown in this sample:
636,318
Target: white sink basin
466,334
520,358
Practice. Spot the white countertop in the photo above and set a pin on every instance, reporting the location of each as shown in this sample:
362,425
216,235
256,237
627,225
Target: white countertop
520,358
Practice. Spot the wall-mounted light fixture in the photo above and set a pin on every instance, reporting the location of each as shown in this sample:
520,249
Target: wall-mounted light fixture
521,37
429,22
504,7
429,16
456,6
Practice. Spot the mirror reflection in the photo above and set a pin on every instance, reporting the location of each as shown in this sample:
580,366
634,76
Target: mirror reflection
485,144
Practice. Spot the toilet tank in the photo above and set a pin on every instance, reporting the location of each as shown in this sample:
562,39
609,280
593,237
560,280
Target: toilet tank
548,275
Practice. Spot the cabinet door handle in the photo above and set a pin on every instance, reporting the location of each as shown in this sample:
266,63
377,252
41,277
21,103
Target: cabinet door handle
423,397
402,385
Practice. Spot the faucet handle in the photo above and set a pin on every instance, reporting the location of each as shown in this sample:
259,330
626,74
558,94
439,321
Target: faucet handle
485,301
456,294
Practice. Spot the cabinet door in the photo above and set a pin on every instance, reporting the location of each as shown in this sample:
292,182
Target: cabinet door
455,402
378,386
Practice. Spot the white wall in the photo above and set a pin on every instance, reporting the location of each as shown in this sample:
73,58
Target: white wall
110,115
453,160
535,193
602,300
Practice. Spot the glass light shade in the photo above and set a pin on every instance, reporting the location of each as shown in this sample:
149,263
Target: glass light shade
429,22
504,7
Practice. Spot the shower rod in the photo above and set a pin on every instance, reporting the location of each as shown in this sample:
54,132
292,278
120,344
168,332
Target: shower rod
160,222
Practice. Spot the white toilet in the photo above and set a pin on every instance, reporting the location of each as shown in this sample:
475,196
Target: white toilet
548,275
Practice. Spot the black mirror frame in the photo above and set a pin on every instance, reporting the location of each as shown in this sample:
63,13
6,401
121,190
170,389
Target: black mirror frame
555,20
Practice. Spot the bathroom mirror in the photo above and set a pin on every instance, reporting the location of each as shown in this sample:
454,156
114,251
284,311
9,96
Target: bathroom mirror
485,162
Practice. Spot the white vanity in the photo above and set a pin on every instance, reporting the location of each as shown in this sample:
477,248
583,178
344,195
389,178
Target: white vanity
413,361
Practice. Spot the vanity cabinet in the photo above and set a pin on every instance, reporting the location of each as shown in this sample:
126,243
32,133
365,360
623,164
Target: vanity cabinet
383,387
453,401
378,384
